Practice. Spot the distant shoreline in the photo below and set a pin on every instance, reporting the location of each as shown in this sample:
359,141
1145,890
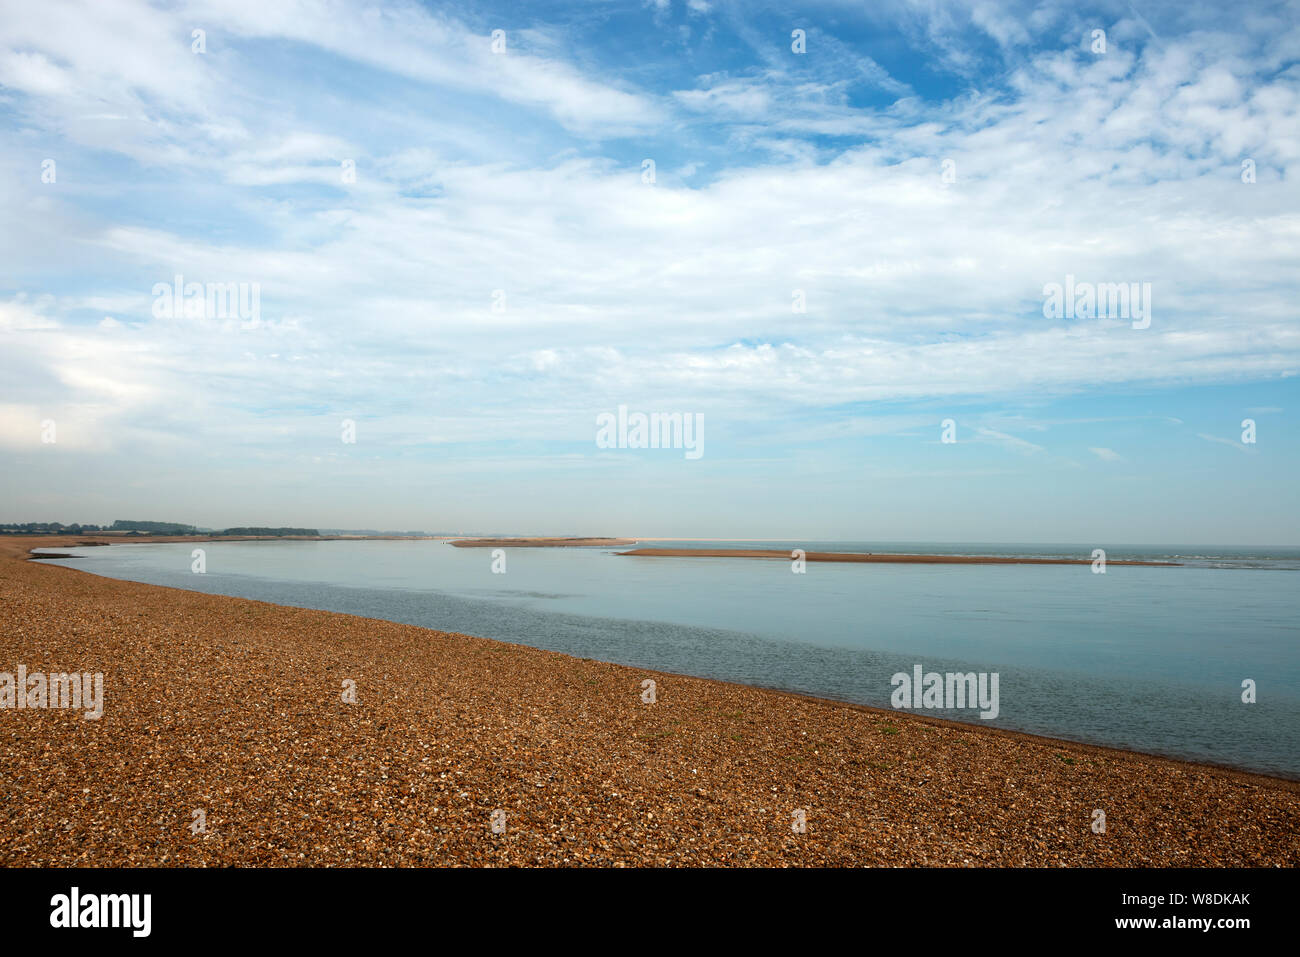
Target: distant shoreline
870,557
113,538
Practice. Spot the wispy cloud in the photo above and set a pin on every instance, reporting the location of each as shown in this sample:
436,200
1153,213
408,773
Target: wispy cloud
1009,441
1239,446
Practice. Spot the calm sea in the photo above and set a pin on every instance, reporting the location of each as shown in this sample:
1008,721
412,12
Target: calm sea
1151,659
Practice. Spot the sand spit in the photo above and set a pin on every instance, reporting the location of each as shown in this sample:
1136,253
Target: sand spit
867,557
542,542
235,708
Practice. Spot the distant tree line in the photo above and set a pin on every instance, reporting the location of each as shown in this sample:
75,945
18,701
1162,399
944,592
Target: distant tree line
142,528
46,528
152,528
270,531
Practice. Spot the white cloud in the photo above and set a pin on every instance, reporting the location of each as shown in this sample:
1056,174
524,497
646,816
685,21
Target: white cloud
1015,443
407,39
1239,446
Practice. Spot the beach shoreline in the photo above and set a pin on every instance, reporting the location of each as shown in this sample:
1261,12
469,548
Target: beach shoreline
708,774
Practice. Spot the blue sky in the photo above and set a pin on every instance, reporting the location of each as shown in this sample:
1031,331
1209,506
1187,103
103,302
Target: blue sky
916,177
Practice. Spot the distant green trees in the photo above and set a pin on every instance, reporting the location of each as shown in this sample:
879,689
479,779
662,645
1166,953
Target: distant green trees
46,528
152,528
146,528
278,532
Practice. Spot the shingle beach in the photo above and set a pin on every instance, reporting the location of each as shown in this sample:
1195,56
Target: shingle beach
236,709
